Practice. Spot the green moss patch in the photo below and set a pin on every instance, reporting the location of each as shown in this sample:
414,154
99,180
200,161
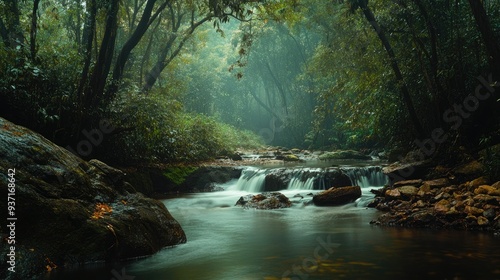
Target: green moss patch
178,174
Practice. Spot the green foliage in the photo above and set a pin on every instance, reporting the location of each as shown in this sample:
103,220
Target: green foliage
39,94
156,130
491,158
178,174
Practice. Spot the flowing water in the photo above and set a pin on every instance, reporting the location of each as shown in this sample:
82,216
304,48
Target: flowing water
304,241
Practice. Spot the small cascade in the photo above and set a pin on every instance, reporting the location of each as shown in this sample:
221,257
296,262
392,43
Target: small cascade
276,179
251,180
369,176
302,179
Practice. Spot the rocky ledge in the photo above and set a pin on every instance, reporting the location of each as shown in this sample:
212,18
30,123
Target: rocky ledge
440,203
69,211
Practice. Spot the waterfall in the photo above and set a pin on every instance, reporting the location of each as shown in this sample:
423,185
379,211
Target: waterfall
275,179
251,180
369,176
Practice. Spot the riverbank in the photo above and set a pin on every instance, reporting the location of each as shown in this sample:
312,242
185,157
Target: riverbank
459,197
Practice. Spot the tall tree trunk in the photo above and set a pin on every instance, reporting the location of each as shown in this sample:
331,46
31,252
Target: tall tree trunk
131,43
4,33
163,61
279,86
147,53
97,84
34,20
405,93
89,31
489,37
13,28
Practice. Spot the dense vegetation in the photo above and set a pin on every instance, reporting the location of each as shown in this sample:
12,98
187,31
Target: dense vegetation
179,79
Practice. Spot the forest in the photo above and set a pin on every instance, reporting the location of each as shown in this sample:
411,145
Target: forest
188,80
172,93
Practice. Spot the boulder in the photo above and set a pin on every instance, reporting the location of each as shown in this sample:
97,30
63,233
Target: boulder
469,170
392,194
485,189
337,196
265,201
347,154
70,211
291,158
415,183
437,183
408,191
442,206
406,171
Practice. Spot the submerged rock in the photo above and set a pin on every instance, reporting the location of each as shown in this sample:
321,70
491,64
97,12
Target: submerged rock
70,211
266,201
337,196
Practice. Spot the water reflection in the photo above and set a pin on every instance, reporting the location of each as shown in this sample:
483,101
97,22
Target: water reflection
234,243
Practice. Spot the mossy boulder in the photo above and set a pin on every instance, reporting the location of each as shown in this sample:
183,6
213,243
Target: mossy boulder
71,211
341,154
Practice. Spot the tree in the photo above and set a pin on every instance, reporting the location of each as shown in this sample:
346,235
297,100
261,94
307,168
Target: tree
490,39
405,93
10,28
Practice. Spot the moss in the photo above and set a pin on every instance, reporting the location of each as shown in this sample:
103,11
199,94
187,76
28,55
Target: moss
291,158
347,154
178,174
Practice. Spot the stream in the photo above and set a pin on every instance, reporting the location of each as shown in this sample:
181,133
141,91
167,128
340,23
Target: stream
304,241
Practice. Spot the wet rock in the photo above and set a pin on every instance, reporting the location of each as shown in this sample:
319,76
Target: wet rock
415,183
348,154
471,210
485,189
337,196
490,213
60,200
392,194
478,182
419,204
469,170
442,206
379,192
291,158
484,198
408,191
437,183
264,201
406,171
424,190
235,156
482,221
203,178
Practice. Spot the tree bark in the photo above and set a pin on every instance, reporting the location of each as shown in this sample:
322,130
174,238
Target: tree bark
34,21
88,33
103,63
279,86
14,32
163,61
4,33
405,93
131,43
489,38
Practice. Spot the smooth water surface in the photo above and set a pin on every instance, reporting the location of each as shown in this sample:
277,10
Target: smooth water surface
302,242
